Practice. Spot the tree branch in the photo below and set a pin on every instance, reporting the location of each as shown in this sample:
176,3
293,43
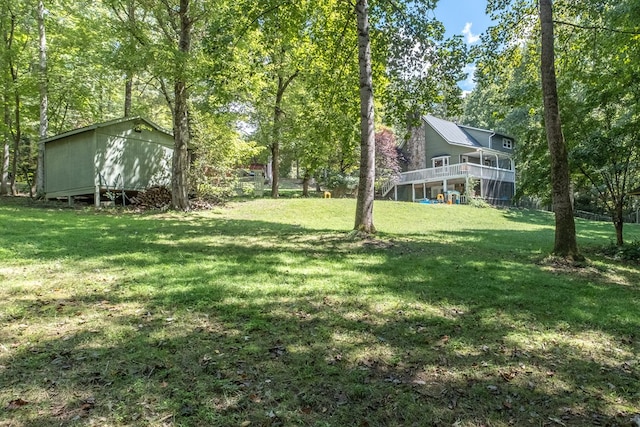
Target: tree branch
597,27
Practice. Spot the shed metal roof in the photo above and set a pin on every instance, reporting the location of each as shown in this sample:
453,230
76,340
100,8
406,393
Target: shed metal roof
105,124
451,132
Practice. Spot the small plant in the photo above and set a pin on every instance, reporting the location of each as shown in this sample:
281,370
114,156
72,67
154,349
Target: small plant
478,202
341,184
627,252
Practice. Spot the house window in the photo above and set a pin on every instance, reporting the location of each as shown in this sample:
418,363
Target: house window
507,143
437,162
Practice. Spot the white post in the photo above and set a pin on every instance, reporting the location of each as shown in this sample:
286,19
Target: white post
413,192
395,192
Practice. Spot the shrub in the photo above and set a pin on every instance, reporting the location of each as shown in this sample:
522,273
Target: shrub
627,252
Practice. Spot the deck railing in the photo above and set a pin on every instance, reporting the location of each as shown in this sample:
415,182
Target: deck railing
460,170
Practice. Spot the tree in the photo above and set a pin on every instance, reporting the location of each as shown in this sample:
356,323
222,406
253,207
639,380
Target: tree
604,129
565,236
364,205
181,131
44,99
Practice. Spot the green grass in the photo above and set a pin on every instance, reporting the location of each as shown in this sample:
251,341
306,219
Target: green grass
266,313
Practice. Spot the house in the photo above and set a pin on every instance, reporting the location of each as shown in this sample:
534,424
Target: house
94,162
448,158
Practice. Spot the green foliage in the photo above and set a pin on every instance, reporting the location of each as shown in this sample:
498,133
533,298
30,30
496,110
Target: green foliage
218,152
628,252
341,184
478,202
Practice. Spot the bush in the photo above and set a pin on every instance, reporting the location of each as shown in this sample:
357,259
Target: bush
342,185
627,252
478,202
214,193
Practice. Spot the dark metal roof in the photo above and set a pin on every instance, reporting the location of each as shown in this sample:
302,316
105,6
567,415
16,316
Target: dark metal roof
451,132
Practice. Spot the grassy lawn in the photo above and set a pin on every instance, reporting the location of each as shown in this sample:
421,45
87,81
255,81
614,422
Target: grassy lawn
266,313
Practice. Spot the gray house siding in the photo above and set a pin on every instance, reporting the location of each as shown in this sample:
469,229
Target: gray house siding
436,146
497,143
482,136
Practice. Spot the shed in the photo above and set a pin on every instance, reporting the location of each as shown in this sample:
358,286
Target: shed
125,155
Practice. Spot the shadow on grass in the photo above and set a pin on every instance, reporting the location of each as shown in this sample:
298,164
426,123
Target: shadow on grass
220,322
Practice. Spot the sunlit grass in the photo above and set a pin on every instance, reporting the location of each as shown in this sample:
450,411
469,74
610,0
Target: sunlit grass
267,312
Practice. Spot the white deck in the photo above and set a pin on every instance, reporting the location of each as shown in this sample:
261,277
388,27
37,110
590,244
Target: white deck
460,170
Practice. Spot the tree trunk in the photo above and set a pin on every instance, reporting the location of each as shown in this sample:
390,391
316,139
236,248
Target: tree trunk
17,136
364,205
180,168
618,222
278,115
44,101
275,144
305,185
128,88
565,237
4,171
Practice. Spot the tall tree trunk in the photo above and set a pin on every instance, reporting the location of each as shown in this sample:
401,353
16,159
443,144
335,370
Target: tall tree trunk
17,133
305,184
180,168
275,143
44,101
4,171
618,221
278,115
128,88
364,205
565,237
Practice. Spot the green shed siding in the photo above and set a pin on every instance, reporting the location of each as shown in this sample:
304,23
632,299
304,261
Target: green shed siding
139,159
69,166
129,153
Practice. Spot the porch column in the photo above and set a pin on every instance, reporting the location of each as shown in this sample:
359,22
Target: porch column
444,186
424,190
395,192
413,192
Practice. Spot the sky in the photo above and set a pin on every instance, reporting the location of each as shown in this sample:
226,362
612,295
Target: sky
466,18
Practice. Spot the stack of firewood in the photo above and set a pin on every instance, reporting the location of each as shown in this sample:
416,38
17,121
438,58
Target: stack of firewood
153,198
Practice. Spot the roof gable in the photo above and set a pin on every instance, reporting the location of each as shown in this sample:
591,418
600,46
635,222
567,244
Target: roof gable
95,126
451,132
